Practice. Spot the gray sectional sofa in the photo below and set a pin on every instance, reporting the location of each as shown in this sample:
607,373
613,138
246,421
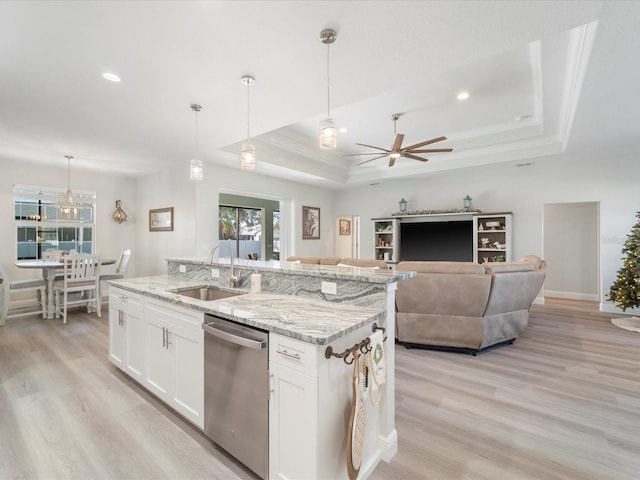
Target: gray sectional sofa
466,306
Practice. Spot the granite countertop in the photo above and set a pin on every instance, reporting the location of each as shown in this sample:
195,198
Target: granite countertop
365,274
314,321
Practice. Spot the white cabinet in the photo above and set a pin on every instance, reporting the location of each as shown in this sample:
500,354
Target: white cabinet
492,237
174,345
126,332
293,409
386,242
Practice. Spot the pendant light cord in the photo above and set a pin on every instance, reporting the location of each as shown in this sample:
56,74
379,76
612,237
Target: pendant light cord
248,131
196,133
328,85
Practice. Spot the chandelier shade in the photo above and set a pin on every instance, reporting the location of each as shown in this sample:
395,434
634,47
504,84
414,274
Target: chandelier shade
68,209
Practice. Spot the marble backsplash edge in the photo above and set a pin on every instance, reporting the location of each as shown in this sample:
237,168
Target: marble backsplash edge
350,292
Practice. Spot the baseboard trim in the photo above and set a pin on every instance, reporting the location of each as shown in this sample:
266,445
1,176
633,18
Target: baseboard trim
589,297
388,445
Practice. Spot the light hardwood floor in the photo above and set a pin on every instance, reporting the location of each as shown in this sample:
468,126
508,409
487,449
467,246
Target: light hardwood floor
562,402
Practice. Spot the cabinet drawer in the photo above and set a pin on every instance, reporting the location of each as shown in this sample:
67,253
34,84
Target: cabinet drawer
125,300
168,311
295,354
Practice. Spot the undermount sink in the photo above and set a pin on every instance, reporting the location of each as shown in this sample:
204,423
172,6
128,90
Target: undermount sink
206,293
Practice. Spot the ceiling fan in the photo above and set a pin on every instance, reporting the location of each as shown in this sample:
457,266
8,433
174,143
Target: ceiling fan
397,150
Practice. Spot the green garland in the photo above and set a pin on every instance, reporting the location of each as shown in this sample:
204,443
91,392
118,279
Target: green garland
433,212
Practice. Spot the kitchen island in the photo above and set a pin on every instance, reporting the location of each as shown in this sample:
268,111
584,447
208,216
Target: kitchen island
311,393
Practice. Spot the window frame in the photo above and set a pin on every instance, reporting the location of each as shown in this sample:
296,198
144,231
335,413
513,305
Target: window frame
47,220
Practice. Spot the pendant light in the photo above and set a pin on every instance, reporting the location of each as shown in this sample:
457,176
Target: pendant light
328,130
196,170
67,208
248,154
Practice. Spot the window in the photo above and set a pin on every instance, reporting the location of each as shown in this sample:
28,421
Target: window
253,224
42,224
244,225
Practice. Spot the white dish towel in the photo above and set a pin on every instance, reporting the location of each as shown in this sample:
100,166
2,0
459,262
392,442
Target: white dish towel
376,361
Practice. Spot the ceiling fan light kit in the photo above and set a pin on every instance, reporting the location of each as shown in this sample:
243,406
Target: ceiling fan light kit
328,129
397,150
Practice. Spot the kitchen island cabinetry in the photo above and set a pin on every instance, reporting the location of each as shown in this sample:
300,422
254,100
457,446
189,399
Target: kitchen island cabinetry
310,395
293,407
174,345
126,332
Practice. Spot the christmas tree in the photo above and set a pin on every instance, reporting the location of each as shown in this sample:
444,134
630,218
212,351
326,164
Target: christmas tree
625,291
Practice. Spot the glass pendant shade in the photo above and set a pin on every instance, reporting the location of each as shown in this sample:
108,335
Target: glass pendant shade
328,134
119,215
248,157
196,171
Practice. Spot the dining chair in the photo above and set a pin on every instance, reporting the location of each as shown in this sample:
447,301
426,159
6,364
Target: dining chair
7,286
80,277
121,270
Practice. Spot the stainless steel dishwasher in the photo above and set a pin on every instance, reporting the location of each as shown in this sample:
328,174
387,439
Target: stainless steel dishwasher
236,391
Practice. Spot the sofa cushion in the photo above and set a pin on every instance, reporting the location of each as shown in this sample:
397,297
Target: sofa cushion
444,294
362,262
502,267
536,260
310,260
329,260
441,267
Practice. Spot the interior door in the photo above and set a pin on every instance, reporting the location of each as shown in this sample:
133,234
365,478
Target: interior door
571,250
347,236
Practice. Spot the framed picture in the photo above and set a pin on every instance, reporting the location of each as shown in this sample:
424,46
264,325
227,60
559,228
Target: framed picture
345,227
161,220
310,223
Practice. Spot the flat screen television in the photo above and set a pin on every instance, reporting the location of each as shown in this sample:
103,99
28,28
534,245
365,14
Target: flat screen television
449,241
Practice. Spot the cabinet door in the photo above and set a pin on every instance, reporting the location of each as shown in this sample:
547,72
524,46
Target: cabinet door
117,332
293,424
187,347
135,345
159,368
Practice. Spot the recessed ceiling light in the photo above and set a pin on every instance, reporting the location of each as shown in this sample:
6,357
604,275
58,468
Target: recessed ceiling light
112,77
463,95
343,130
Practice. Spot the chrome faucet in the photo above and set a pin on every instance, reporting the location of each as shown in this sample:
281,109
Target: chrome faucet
233,280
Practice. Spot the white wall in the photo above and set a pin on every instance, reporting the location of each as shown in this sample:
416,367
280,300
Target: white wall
196,212
613,182
111,238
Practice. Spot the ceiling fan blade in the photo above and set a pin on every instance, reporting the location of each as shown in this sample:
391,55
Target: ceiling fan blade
372,159
413,157
392,161
432,150
371,146
358,154
398,143
428,142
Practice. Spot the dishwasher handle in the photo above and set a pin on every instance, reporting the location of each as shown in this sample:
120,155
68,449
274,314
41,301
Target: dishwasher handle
237,339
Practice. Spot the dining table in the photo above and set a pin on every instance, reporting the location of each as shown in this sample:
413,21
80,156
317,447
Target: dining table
49,268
